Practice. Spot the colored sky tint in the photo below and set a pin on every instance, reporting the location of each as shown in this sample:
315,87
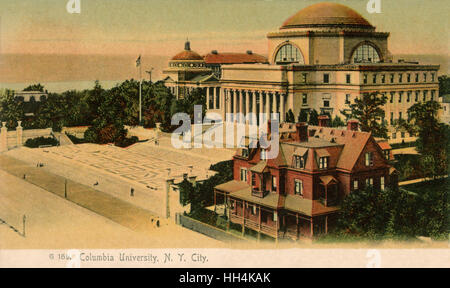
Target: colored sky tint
160,27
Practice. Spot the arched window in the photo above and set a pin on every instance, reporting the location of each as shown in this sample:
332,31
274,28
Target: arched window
366,54
289,54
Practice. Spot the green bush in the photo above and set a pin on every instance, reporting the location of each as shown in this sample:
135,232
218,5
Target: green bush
41,141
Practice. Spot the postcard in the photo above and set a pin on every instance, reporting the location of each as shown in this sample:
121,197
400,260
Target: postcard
224,134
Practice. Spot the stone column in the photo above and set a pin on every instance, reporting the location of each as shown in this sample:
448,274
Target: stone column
247,102
208,99
235,104
291,102
228,100
267,105
4,138
254,107
274,103
282,109
214,97
19,134
241,106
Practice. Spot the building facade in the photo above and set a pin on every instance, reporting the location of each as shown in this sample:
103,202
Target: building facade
297,194
322,58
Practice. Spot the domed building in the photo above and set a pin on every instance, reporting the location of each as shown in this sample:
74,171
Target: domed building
321,58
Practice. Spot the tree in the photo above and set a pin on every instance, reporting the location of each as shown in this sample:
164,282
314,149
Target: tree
36,87
444,85
373,213
369,111
338,122
313,117
433,138
12,109
303,116
290,118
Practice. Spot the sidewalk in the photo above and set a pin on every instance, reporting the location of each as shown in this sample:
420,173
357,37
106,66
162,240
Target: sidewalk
112,208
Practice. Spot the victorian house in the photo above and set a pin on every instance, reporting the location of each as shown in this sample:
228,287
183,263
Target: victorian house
297,194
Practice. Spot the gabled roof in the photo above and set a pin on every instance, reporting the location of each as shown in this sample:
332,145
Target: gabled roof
353,141
234,58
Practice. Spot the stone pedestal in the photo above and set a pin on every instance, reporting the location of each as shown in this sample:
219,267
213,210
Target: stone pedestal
3,138
19,134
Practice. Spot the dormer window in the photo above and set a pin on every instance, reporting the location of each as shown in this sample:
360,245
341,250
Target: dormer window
244,173
323,162
245,152
299,162
263,154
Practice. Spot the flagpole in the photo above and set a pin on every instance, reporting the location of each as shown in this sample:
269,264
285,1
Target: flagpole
140,93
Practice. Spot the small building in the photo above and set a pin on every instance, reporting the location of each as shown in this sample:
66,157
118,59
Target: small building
29,96
297,194
445,109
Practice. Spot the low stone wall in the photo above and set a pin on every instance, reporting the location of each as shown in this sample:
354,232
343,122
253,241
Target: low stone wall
205,229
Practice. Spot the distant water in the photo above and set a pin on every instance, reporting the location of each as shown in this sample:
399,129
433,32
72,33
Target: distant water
60,73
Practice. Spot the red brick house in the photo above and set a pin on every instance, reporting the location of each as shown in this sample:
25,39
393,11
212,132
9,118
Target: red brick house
297,194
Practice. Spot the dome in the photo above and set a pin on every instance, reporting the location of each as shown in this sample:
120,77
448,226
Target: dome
326,14
187,54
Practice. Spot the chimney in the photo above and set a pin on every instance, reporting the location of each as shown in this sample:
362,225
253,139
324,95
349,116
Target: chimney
353,125
301,132
269,129
324,121
215,52
249,52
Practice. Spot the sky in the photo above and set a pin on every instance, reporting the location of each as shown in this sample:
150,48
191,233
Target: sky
160,27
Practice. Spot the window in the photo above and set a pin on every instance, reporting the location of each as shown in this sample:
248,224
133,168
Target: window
403,135
408,97
392,97
253,179
375,78
326,78
392,118
366,54
392,78
355,185
425,95
323,163
369,182
369,159
383,78
347,99
326,103
305,99
400,115
417,77
416,99
424,77
348,78
299,162
433,77
408,78
382,183
289,54
245,152
400,78
299,187
387,154
274,184
254,210
304,77
275,216
365,78
394,135
400,96
244,173
433,93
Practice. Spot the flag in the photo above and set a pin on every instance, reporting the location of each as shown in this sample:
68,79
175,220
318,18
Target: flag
138,61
